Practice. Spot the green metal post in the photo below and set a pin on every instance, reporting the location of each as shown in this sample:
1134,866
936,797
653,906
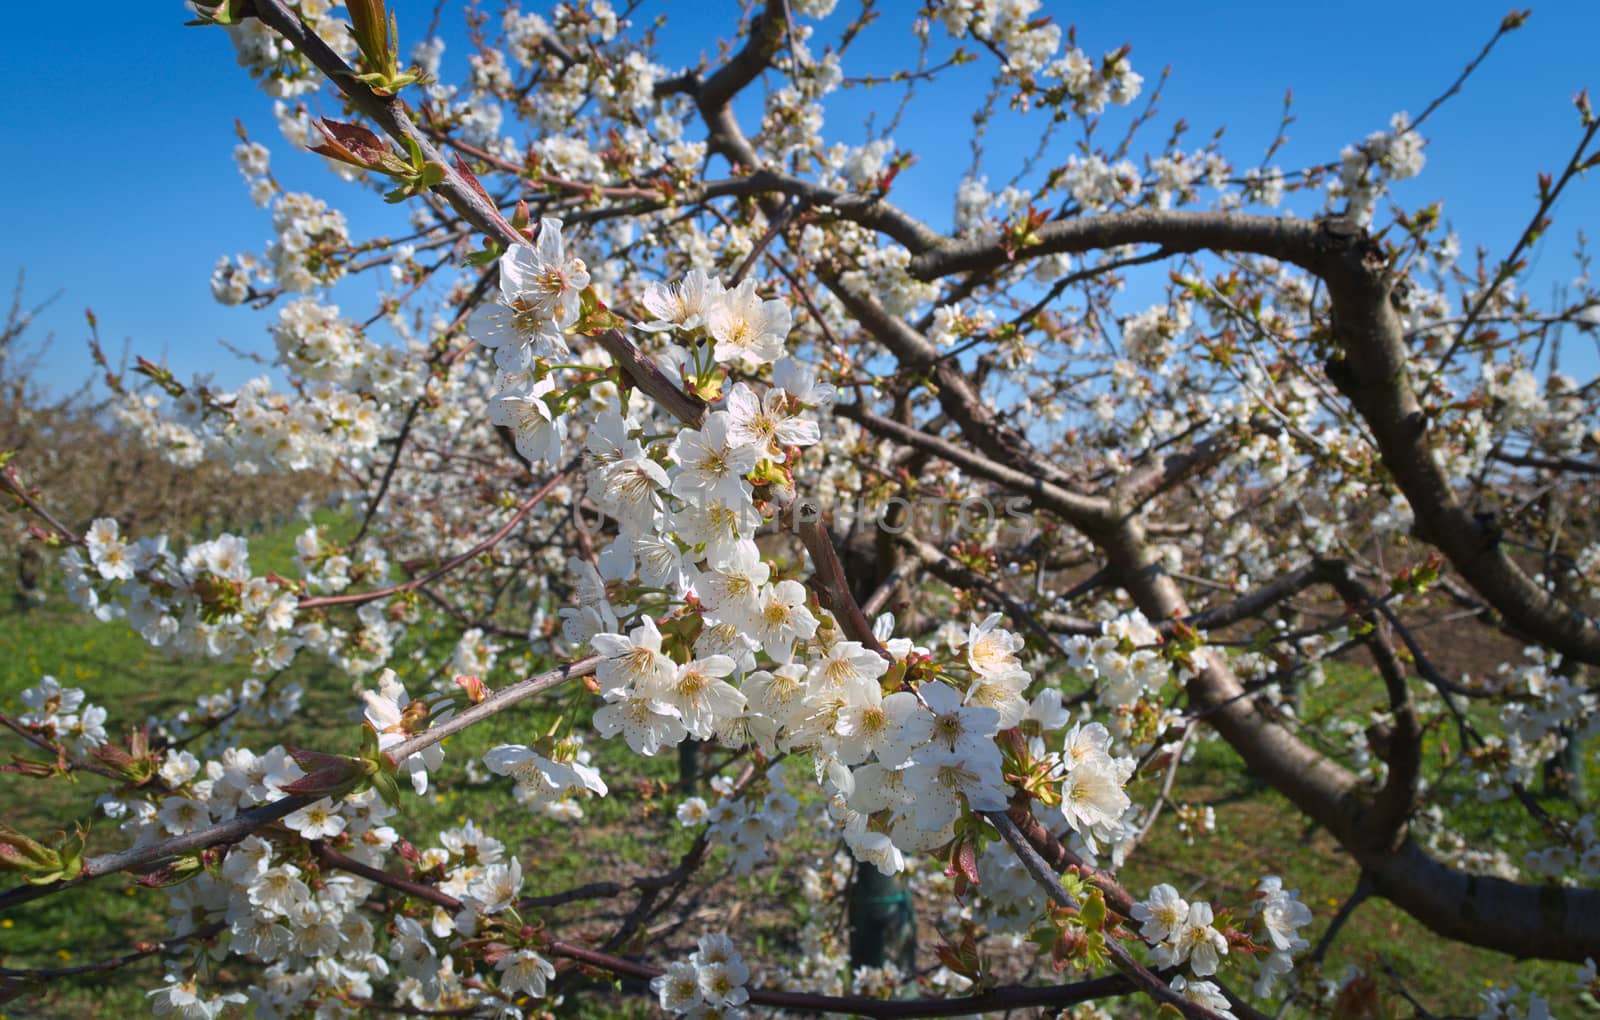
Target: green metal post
883,923
689,765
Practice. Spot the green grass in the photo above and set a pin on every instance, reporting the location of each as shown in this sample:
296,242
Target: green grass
632,831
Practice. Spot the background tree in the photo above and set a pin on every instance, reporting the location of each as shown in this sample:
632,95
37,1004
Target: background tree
74,449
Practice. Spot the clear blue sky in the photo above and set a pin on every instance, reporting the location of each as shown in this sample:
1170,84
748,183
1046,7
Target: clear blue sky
121,192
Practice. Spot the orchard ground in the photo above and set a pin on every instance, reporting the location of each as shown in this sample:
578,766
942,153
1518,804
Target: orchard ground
633,830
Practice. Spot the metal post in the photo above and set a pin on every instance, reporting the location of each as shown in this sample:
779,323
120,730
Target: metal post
883,923
689,765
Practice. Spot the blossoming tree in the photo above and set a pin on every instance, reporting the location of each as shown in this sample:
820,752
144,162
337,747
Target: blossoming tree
919,537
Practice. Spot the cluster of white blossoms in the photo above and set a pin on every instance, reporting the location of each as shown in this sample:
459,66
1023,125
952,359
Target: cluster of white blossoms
1010,25
1092,798
1501,1004
193,793
347,389
699,635
1090,85
319,345
273,61
1260,186
300,258
146,416
309,238
1585,570
711,983
209,602
571,25
62,714
1175,177
1127,668
308,929
545,784
934,756
952,323
745,825
255,164
256,429
1546,711
1097,185
1030,45
883,271
1148,335
1366,170
1551,415
1182,934
1432,828
1281,916
538,301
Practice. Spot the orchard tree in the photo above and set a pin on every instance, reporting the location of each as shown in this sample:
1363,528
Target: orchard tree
954,544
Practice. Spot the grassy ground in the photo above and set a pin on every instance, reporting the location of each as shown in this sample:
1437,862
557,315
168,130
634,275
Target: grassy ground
632,831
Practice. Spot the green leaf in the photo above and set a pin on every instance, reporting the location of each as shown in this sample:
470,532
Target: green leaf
415,150
1045,936
19,852
1094,910
383,780
215,12
1093,955
593,316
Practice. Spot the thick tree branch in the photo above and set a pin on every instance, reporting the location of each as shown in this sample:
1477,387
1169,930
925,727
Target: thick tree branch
1371,372
1178,231
1523,920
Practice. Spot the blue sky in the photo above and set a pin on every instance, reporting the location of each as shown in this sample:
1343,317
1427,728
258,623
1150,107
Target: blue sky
121,192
